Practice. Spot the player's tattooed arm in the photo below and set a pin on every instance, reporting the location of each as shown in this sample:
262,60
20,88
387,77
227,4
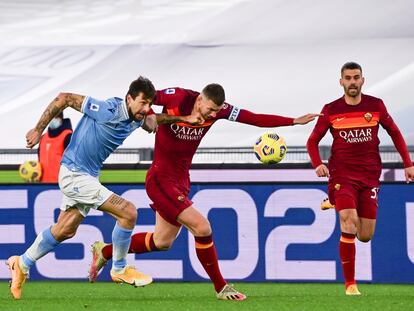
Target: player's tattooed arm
164,118
150,123
62,101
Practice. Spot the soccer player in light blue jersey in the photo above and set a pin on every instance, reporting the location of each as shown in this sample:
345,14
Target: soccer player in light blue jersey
103,127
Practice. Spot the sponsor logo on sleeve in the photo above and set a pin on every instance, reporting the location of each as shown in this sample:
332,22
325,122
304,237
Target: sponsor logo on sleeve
169,91
234,113
93,107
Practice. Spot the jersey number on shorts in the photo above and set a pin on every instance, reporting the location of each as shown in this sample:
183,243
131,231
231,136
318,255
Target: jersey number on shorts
374,193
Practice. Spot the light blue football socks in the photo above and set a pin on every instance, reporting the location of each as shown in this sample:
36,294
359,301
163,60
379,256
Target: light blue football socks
44,243
121,238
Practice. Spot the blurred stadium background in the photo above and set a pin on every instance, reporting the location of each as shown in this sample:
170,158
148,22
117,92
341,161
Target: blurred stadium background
280,57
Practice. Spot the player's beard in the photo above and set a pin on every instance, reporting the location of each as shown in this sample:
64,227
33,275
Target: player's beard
353,91
134,116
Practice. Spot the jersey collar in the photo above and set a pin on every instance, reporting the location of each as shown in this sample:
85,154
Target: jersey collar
124,110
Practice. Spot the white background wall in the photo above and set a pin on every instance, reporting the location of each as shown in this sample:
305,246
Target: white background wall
280,57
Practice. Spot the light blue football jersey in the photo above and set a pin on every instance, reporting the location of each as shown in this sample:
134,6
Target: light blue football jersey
104,126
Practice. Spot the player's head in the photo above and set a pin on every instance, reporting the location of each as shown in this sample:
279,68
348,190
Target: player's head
56,122
210,101
139,98
352,79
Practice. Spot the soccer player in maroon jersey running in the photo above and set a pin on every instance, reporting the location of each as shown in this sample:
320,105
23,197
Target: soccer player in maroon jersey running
168,182
355,163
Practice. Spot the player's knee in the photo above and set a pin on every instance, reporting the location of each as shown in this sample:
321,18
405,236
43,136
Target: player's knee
349,224
130,214
203,228
364,239
163,244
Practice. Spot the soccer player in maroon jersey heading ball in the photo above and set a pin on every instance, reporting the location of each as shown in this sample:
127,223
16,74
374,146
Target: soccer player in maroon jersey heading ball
168,182
354,167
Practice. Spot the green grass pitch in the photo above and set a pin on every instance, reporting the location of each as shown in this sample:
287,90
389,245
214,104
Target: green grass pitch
106,176
63,296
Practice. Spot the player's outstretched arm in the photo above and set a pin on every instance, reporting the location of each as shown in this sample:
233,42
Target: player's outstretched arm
307,118
62,101
195,119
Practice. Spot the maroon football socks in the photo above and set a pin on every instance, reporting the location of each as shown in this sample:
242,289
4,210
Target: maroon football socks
347,255
206,253
142,242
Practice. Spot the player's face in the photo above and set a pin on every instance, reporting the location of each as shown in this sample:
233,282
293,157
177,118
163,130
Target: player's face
352,81
138,107
207,108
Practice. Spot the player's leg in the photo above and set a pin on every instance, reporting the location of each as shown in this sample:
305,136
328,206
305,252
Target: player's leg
126,215
200,227
344,195
143,242
367,212
349,222
65,228
164,204
366,229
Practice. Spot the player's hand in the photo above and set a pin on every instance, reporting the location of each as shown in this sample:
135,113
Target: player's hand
194,119
32,138
307,118
322,171
150,123
409,174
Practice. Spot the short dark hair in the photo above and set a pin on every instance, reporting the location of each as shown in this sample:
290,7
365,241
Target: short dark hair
350,65
143,85
215,92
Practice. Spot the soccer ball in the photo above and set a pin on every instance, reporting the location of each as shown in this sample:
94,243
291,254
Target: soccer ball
270,148
30,171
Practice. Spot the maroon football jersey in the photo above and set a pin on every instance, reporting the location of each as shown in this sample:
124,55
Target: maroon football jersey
176,144
354,129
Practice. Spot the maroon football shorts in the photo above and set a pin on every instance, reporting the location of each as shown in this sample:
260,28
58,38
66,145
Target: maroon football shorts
170,196
361,195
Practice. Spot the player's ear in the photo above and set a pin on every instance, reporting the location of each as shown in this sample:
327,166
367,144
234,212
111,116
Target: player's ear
363,80
198,99
128,99
340,82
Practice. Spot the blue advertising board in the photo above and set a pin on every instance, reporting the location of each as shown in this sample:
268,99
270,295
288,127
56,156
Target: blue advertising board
262,232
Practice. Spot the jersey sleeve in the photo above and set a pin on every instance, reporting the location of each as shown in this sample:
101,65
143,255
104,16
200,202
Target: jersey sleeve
228,112
160,99
392,129
319,131
234,113
100,110
167,96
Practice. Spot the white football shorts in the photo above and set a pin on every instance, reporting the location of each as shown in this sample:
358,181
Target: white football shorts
81,190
